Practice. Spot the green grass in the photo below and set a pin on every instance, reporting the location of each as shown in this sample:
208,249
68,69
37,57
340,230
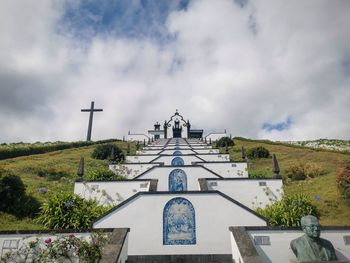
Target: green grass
333,208
27,167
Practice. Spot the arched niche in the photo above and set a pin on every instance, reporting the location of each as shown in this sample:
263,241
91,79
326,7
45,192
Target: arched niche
177,161
177,181
179,224
177,152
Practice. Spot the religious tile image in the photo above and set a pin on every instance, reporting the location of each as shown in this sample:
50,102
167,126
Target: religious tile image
177,161
177,181
179,226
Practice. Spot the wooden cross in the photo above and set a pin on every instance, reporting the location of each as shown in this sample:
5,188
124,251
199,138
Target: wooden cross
91,110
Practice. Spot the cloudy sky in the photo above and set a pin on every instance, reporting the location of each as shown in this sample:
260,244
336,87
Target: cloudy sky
261,69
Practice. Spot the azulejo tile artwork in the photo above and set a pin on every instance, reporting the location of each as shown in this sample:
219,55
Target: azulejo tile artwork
177,180
179,225
177,161
177,153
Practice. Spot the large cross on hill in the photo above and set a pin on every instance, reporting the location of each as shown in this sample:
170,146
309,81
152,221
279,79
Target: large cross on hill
91,110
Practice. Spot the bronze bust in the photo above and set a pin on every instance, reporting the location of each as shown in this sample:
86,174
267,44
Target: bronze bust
310,247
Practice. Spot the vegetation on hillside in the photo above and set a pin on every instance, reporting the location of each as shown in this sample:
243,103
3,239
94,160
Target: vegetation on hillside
67,210
45,175
329,144
343,181
322,189
109,151
24,149
289,210
224,142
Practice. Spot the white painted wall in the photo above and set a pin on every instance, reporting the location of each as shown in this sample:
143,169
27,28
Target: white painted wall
123,257
215,157
153,147
204,151
131,170
193,174
228,169
153,152
110,193
213,215
198,147
140,158
172,147
250,192
236,254
215,136
188,159
137,137
280,251
153,133
183,151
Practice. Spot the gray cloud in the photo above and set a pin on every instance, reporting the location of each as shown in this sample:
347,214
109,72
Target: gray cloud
228,66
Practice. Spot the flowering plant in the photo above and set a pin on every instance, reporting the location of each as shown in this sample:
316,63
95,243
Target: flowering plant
59,249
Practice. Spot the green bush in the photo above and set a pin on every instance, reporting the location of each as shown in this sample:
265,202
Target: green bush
23,149
288,211
258,152
297,172
104,151
102,173
67,210
13,196
343,181
256,174
223,141
52,174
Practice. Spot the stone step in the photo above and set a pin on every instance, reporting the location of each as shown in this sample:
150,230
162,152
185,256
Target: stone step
181,259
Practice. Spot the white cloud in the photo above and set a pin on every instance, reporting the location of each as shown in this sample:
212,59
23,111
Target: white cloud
217,72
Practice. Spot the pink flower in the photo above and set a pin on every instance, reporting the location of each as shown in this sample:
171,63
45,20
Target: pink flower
48,241
71,235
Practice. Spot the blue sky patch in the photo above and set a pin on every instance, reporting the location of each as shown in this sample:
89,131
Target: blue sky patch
280,126
119,18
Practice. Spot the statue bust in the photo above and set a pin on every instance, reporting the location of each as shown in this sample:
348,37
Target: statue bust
310,247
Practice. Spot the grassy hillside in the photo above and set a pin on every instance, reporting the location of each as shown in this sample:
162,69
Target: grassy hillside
65,161
334,210
322,190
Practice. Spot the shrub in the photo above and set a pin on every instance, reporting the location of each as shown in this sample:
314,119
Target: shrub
258,152
297,172
313,170
258,174
223,141
343,181
13,196
102,173
11,189
52,174
23,149
59,249
67,210
288,211
104,151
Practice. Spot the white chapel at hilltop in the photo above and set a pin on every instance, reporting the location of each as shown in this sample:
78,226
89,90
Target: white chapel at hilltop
181,197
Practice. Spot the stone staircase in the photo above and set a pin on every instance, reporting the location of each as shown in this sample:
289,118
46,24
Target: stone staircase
181,259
